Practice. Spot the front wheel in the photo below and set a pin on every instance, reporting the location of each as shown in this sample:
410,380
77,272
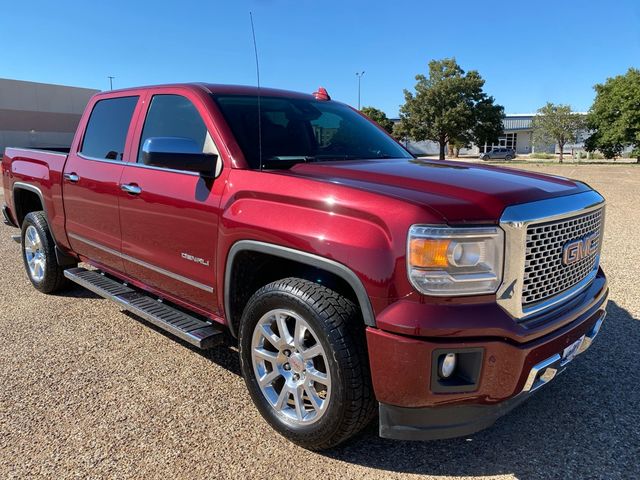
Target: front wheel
304,361
39,254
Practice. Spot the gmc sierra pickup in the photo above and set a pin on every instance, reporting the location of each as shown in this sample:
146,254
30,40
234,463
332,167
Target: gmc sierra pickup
356,278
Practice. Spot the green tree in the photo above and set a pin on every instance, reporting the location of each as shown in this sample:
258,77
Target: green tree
614,116
379,117
557,124
450,106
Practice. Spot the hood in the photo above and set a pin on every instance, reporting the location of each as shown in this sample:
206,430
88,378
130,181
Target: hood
460,192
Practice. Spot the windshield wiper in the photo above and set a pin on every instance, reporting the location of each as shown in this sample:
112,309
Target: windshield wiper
288,161
291,158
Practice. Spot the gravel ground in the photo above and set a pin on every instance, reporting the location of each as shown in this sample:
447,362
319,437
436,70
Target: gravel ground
89,391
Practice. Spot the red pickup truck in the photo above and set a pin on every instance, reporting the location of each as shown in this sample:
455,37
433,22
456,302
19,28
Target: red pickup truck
356,278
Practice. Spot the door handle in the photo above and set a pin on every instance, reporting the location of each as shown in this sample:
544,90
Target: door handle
131,188
71,177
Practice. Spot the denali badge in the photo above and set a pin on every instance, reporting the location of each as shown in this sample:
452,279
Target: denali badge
201,261
576,250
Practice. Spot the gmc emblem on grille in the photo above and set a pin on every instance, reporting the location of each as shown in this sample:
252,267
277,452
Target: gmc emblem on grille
576,250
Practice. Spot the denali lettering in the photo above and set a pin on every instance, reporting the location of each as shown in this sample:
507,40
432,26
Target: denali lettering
201,261
576,250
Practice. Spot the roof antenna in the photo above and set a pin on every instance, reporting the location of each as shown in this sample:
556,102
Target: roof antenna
255,50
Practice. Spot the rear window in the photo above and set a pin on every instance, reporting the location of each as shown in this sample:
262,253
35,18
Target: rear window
107,128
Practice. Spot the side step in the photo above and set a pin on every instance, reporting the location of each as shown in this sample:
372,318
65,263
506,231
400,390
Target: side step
191,329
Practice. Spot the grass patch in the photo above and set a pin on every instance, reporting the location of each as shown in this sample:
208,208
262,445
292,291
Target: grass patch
542,156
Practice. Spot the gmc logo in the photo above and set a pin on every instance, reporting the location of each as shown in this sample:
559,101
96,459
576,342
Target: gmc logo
576,250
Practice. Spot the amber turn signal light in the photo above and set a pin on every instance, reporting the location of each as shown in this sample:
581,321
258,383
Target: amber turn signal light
429,252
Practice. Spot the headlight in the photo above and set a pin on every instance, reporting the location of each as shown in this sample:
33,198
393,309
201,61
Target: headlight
450,261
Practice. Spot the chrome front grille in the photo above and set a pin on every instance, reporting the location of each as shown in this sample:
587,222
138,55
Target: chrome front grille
534,278
545,275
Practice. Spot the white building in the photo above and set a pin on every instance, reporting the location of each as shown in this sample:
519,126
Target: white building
517,134
39,114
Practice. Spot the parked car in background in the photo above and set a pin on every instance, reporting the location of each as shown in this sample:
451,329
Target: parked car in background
360,282
499,153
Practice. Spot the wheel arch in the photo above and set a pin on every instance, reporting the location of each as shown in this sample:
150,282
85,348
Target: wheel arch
297,257
23,204
25,200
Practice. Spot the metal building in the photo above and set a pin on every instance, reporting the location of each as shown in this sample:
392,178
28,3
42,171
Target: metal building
37,115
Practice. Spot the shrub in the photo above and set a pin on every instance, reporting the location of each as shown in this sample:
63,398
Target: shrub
542,155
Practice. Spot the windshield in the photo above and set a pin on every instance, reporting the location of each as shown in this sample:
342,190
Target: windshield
298,130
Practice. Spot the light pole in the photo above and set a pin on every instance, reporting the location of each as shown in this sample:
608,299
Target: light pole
359,75
111,81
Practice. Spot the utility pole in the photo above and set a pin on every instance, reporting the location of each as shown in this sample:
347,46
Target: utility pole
359,75
111,81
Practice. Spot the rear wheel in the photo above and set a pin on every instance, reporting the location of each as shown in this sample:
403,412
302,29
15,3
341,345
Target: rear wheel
39,255
304,362
508,157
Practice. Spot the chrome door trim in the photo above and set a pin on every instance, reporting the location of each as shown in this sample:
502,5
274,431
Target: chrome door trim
48,152
144,264
514,221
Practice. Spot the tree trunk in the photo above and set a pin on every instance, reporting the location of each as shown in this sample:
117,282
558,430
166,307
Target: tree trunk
561,151
443,145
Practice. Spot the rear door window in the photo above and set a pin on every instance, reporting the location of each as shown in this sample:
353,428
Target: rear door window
106,132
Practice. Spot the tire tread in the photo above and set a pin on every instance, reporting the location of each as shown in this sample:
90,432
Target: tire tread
345,333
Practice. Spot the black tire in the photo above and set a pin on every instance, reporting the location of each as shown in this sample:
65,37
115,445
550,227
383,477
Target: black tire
53,278
508,158
339,328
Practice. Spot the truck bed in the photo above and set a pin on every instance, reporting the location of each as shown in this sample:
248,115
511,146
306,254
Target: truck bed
38,171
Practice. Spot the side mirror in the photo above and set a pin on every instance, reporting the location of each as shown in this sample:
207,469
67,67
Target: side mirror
178,153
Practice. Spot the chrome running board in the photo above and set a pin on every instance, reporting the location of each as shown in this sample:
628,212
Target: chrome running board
197,332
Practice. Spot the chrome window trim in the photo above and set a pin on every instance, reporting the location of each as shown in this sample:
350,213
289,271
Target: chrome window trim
514,221
162,169
103,160
137,165
142,263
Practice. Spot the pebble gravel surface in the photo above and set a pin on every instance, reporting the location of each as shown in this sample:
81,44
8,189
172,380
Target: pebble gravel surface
87,391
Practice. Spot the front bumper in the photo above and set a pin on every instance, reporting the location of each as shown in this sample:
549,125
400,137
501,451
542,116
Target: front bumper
511,365
433,423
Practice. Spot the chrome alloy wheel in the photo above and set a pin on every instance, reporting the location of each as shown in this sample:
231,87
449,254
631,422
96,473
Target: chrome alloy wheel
34,254
291,367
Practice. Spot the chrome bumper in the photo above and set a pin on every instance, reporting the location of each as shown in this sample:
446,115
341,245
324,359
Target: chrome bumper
545,371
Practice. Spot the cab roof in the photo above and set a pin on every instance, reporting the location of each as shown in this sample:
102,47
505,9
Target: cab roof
222,89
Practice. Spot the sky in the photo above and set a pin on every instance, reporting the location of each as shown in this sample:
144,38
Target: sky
529,52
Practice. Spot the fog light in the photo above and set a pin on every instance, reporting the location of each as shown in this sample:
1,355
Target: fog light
447,365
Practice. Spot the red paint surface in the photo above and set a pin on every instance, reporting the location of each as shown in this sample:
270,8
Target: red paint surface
357,213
